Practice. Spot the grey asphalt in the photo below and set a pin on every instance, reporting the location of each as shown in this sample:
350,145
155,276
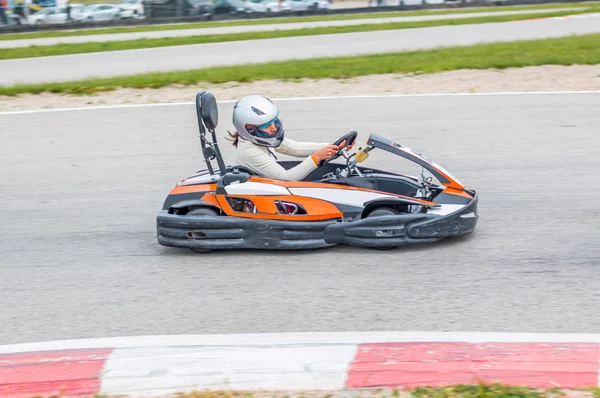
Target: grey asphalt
131,62
80,192
48,41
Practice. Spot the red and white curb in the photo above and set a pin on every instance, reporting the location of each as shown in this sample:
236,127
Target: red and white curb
155,365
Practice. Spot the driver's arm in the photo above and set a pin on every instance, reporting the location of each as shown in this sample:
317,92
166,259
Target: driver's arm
263,163
299,149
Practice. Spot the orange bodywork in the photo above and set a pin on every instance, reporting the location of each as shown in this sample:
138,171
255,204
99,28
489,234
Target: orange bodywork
193,188
452,184
211,198
316,209
457,192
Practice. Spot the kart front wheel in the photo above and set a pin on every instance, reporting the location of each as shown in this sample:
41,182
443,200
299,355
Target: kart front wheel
383,211
202,212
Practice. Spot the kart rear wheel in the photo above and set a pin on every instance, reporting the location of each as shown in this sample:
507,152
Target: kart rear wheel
383,211
205,212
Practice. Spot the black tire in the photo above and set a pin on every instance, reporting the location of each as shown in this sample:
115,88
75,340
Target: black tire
203,211
383,211
206,212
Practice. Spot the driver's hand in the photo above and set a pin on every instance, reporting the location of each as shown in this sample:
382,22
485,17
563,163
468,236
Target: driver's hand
325,153
343,144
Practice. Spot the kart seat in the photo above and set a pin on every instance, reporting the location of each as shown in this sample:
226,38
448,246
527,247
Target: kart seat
209,111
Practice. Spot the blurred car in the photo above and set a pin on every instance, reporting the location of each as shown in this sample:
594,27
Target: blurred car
132,8
303,5
228,7
53,15
264,6
419,2
98,12
176,8
200,7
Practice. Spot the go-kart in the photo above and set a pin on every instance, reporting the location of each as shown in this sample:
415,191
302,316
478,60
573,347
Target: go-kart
232,207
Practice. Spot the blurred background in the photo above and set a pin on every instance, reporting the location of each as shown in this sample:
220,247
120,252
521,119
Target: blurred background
75,12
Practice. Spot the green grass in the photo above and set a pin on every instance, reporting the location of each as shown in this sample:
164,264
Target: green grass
484,391
496,390
78,48
149,28
560,51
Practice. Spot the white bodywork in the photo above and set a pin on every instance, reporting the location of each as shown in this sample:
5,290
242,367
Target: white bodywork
444,209
201,179
255,188
341,196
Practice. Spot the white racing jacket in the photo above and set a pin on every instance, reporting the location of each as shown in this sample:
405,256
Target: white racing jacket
262,161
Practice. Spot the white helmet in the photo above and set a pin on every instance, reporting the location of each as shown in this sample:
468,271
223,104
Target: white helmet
252,114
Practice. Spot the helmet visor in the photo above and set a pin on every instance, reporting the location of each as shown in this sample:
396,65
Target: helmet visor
266,131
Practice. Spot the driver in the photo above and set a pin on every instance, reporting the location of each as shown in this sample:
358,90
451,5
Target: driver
259,128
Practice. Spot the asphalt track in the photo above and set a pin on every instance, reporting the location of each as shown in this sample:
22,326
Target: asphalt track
48,41
81,189
130,62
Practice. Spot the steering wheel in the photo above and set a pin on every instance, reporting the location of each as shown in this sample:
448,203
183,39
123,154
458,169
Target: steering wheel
349,138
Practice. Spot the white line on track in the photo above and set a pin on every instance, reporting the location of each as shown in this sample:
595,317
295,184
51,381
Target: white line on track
300,338
308,99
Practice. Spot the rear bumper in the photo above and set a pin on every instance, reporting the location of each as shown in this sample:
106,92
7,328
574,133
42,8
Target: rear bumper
239,233
246,233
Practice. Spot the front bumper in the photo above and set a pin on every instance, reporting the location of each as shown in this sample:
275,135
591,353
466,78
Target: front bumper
376,232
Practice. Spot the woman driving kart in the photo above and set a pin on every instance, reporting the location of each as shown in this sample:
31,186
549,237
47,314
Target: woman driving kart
258,128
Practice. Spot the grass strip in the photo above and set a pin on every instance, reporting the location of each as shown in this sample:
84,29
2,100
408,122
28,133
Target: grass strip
278,20
80,48
495,390
481,390
583,50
